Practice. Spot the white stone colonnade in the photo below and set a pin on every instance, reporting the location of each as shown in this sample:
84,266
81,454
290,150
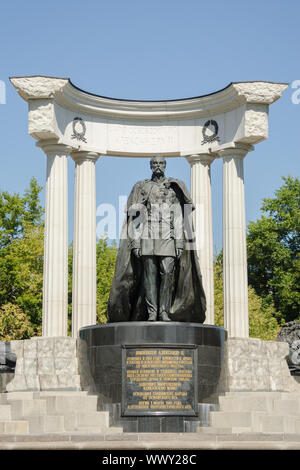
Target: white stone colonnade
67,121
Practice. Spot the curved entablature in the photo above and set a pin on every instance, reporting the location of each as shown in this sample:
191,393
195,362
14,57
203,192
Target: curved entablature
59,110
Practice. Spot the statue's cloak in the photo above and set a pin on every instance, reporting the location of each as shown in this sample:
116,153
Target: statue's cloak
127,300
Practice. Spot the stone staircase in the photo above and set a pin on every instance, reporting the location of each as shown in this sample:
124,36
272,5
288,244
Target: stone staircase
52,412
256,412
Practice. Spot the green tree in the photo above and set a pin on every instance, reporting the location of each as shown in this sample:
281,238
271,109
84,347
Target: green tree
17,212
264,321
106,261
21,254
14,323
273,246
70,278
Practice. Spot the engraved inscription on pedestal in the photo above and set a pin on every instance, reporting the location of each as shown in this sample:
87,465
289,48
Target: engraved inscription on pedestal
159,380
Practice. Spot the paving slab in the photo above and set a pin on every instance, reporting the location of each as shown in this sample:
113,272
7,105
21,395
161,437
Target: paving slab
151,441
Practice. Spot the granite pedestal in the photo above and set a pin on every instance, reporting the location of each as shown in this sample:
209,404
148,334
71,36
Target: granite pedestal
106,347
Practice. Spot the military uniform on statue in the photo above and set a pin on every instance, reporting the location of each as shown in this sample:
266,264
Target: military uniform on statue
156,278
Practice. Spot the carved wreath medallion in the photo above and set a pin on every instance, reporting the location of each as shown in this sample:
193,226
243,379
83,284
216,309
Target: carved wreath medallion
213,137
79,129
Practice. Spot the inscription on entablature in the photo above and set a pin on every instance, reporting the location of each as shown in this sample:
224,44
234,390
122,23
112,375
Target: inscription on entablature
139,136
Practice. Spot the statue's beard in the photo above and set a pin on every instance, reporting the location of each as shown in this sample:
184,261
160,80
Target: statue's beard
158,172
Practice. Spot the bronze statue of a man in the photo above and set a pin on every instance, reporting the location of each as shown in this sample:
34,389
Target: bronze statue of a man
157,275
161,241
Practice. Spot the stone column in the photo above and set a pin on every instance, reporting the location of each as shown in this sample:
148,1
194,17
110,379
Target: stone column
84,242
235,276
202,219
55,281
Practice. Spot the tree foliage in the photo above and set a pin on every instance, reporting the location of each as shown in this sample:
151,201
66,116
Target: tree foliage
21,254
273,246
14,323
264,321
18,212
106,260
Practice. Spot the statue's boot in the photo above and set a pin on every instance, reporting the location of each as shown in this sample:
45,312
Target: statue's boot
163,316
152,316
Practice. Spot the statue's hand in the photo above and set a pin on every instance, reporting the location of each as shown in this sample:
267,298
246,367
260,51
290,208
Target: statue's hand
179,252
137,252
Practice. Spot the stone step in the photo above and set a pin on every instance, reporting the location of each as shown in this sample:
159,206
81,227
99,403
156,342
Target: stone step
98,429
46,424
27,408
275,424
270,394
215,430
14,427
255,421
5,412
76,420
246,403
230,419
288,407
100,418
4,397
60,404
60,393
219,431
291,396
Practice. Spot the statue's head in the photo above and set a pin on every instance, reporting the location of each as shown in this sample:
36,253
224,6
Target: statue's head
158,165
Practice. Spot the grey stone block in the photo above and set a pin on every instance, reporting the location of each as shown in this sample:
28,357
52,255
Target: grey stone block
17,384
32,382
17,347
93,418
30,366
19,369
224,419
72,404
25,408
46,424
5,412
45,347
48,382
81,437
49,437
65,347
66,365
68,381
15,427
30,348
45,365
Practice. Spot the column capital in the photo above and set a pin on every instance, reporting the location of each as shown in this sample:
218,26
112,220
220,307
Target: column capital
205,158
52,146
82,156
235,150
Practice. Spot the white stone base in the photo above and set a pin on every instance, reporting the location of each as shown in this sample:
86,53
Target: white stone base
251,364
45,364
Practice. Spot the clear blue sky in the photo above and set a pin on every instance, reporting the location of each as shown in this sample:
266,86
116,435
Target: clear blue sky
148,50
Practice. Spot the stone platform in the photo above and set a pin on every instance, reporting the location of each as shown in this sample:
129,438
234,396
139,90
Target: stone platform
50,403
